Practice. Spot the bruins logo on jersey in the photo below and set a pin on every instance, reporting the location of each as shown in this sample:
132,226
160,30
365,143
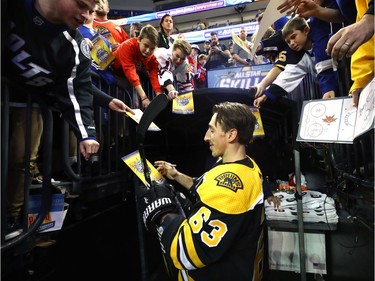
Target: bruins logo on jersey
229,180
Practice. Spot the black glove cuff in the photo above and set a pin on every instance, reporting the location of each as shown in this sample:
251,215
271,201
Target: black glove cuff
157,208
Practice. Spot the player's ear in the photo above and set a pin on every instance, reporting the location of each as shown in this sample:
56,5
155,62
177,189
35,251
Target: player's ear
232,134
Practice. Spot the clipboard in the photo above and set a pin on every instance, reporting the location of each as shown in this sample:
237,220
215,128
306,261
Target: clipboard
337,120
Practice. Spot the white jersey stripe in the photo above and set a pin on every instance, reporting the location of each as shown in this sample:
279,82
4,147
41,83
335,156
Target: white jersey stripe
77,109
293,74
183,257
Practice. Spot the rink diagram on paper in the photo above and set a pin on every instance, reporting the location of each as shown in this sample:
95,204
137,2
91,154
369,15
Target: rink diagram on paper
337,120
328,120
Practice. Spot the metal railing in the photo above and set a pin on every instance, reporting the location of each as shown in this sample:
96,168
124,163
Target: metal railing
91,180
47,152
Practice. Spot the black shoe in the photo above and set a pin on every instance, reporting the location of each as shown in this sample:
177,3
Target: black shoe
12,229
43,243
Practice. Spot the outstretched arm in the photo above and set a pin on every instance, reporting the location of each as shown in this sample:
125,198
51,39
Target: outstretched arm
347,40
119,106
309,8
270,77
166,169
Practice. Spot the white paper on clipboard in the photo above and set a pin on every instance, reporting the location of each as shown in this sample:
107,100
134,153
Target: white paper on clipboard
270,15
337,120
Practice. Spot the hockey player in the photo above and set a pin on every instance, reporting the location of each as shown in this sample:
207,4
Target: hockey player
222,236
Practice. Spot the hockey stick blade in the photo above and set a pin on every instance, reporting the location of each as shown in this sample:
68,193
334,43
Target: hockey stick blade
154,108
150,113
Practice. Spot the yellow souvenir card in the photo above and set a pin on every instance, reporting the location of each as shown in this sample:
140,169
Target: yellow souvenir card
259,130
100,53
134,162
183,104
106,33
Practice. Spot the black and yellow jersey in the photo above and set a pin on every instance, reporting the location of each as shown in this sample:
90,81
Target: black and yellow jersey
222,237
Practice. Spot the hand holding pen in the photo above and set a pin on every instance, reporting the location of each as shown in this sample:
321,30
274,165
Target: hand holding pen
166,169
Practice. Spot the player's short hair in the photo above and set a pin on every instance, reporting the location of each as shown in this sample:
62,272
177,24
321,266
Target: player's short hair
183,45
149,32
234,115
295,23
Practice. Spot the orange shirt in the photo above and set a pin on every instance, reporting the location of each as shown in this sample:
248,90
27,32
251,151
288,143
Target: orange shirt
129,59
118,33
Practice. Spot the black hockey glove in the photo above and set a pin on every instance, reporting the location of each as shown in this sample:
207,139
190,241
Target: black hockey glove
154,202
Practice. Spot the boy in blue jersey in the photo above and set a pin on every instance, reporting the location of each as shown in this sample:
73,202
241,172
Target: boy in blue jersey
306,55
87,30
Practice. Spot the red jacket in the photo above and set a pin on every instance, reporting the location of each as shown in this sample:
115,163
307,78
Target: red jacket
200,76
129,58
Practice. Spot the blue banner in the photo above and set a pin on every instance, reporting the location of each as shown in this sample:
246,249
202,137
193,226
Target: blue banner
183,11
237,77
